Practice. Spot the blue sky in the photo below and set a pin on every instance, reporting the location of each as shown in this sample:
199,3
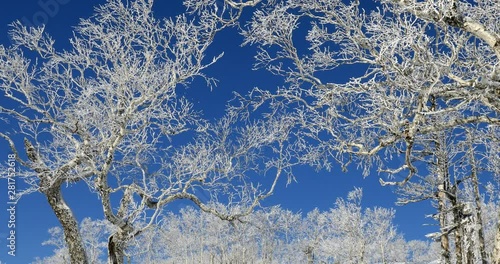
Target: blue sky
313,189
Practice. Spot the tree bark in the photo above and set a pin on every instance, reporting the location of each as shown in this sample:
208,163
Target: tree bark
496,248
69,224
478,205
52,191
442,189
457,219
457,210
116,249
309,251
445,247
471,245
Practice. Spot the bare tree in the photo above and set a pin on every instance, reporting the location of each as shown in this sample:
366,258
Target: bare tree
105,111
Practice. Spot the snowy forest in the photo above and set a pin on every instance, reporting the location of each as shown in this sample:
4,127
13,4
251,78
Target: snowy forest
347,233
407,91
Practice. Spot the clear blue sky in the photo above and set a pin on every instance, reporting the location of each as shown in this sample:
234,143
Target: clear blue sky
314,189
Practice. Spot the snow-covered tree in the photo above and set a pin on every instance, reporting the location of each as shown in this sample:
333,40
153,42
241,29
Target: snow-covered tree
346,233
381,84
422,251
352,234
106,109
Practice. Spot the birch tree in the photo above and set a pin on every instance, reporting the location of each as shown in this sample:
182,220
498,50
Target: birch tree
373,82
105,111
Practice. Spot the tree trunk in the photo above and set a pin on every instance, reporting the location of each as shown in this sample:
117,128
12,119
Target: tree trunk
496,248
116,250
457,219
442,188
445,245
479,224
69,224
310,254
478,205
469,237
457,210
